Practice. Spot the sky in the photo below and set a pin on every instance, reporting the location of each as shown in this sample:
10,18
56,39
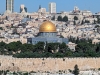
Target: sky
62,5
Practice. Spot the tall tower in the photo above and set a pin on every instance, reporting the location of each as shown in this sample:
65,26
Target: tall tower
23,9
52,7
10,5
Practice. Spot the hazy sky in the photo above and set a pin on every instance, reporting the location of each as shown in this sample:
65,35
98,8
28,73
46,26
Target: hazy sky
62,5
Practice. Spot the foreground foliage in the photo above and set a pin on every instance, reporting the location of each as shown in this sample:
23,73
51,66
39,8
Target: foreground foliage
84,48
76,70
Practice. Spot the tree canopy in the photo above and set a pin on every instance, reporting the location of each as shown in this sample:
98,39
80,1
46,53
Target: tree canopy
98,20
53,18
84,48
75,18
87,21
76,70
65,19
59,18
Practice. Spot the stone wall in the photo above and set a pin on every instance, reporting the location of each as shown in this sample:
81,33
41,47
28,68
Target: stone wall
48,64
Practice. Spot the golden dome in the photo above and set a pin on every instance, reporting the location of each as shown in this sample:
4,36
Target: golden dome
47,26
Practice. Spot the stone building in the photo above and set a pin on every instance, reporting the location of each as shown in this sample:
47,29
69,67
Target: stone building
71,46
47,33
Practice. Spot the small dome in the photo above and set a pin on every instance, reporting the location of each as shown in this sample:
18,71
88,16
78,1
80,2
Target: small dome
47,26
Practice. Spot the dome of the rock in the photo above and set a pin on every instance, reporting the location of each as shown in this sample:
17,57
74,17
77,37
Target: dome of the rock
47,26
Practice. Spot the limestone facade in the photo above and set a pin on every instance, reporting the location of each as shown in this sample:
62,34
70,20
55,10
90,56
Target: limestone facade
48,64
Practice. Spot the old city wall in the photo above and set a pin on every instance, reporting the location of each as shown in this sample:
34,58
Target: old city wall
48,64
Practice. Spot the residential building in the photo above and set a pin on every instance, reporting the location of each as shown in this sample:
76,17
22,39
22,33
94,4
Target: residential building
52,7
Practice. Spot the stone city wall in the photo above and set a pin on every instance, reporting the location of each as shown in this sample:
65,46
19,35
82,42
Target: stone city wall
48,64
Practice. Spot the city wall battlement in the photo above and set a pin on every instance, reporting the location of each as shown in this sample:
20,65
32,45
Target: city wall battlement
48,64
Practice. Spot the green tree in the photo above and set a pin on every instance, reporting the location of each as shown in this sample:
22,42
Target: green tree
49,47
14,46
26,47
2,47
90,53
74,22
82,22
2,44
6,18
71,39
52,47
68,53
98,20
94,21
58,55
99,69
96,26
65,19
25,74
14,73
59,18
98,48
27,16
62,45
53,18
1,28
39,47
87,21
76,70
75,18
